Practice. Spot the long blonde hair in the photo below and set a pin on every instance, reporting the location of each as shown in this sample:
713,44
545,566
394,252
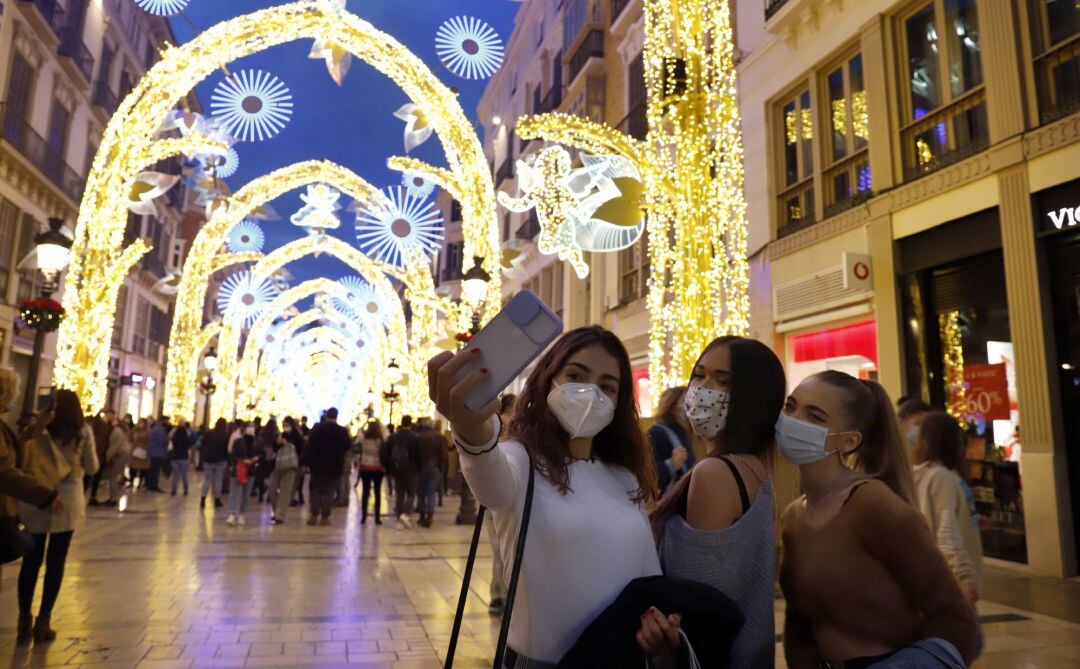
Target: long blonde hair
9,386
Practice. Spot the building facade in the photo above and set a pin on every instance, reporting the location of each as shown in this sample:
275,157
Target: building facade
66,66
912,171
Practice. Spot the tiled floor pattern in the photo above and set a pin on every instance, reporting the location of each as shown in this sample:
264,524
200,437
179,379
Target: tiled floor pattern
166,585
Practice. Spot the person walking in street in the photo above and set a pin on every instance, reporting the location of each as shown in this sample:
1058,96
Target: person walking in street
672,453
716,525
940,450
242,458
432,455
371,470
159,452
140,454
856,530
403,454
64,429
268,441
215,455
117,456
17,485
101,425
286,463
576,431
180,455
328,444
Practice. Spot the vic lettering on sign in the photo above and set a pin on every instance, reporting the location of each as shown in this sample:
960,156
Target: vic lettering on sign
1064,218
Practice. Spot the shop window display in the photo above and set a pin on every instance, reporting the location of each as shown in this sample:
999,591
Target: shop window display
960,358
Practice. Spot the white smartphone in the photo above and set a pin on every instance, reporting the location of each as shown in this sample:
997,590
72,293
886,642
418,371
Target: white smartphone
508,343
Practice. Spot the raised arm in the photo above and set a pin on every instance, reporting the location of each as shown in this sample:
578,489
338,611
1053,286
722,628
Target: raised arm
496,473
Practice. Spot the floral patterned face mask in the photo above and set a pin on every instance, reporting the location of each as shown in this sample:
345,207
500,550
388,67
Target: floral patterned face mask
707,410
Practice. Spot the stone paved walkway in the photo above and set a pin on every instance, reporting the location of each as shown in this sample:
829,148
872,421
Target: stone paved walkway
166,585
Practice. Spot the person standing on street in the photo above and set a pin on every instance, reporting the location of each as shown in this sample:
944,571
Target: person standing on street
180,454
215,457
432,449
327,446
404,465
242,459
286,462
371,470
117,456
668,439
101,425
139,465
159,451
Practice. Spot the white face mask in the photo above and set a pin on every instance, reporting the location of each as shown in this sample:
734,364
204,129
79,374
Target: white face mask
802,443
583,409
706,410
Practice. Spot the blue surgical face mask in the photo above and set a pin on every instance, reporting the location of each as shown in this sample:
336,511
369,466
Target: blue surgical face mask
913,436
800,442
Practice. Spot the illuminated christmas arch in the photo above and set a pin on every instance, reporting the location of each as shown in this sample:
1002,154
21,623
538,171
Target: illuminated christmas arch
100,259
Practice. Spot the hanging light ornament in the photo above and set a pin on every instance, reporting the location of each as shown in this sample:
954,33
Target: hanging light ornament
242,300
252,104
418,183
319,212
360,300
227,165
417,128
469,48
403,225
147,187
246,237
162,7
170,283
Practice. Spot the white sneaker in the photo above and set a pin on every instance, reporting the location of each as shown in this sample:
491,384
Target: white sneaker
231,520
404,521
242,520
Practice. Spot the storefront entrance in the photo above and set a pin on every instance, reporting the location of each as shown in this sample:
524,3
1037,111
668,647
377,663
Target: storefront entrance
958,355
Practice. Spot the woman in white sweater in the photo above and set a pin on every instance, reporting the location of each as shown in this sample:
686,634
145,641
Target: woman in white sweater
588,533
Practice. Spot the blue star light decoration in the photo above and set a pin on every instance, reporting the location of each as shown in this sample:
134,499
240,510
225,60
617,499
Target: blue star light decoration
253,105
246,237
242,300
469,48
359,300
400,229
163,7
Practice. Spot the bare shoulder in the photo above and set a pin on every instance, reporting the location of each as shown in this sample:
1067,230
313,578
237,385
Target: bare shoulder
713,502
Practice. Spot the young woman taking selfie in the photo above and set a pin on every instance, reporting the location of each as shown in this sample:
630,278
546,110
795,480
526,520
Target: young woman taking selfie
716,525
866,585
588,534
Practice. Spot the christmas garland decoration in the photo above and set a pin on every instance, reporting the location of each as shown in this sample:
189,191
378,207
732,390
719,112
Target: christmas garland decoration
41,314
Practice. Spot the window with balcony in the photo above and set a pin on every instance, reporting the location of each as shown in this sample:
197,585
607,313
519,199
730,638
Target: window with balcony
633,270
142,326
1055,50
121,315
636,123
796,206
943,119
30,279
452,261
846,176
9,220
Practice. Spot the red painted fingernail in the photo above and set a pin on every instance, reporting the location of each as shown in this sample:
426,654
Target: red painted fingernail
484,370
644,616
476,351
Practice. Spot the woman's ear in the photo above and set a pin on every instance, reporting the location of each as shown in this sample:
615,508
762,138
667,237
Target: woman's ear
850,442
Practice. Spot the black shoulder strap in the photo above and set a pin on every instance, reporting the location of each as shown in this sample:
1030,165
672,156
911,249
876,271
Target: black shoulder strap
511,589
739,482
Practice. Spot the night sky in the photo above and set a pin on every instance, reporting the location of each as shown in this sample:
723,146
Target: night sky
353,124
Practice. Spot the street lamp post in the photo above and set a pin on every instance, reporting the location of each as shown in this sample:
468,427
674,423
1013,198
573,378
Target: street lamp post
474,287
394,375
50,257
209,364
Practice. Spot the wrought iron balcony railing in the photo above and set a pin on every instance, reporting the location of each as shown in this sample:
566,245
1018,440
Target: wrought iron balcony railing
52,12
590,47
72,46
24,139
506,171
105,98
636,123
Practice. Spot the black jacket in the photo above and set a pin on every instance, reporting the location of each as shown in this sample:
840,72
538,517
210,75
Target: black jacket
710,619
215,447
327,446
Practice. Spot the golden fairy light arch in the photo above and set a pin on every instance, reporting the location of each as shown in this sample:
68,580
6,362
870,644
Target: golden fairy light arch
100,260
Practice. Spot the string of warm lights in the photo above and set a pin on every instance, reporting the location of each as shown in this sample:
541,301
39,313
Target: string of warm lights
952,357
99,258
692,164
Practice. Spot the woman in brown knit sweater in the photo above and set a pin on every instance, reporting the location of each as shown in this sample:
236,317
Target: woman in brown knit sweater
866,585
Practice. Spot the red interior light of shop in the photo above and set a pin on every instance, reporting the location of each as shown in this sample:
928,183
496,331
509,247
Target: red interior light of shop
858,339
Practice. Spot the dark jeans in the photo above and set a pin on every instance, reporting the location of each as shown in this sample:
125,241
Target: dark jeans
322,494
429,483
154,478
95,481
55,557
405,493
371,481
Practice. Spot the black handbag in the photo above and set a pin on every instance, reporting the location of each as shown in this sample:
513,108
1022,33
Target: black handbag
15,541
511,588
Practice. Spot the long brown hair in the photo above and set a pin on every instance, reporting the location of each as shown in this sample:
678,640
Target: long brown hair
881,453
665,408
758,389
67,420
538,430
942,440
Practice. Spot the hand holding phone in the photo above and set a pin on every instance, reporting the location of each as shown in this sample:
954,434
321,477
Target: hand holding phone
465,387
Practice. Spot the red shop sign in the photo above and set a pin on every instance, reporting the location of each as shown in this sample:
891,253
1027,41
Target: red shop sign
987,391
